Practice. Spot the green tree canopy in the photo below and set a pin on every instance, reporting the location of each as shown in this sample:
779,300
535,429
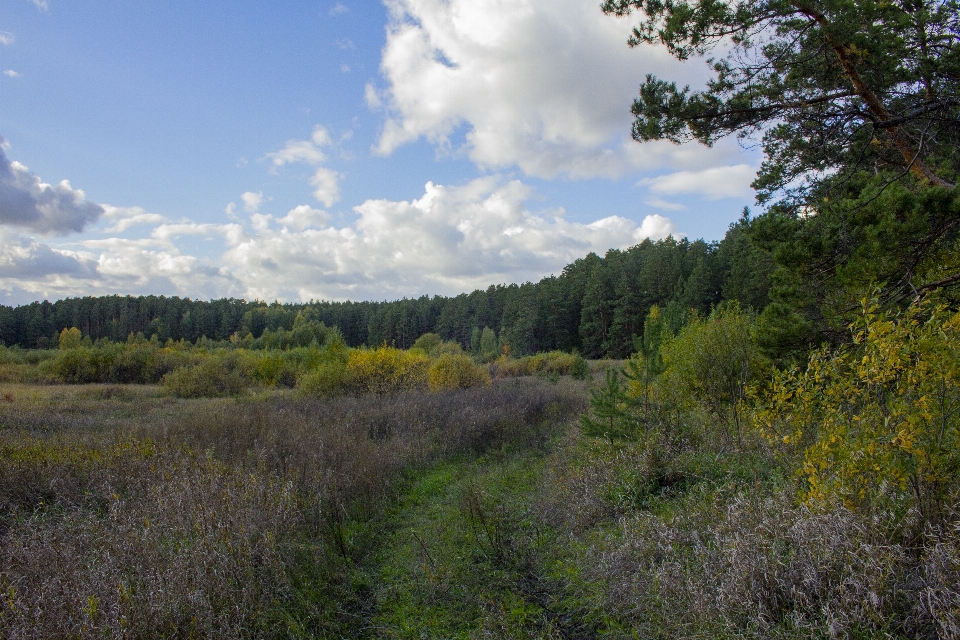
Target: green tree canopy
832,85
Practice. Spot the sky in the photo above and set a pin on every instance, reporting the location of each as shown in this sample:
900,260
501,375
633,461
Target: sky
333,150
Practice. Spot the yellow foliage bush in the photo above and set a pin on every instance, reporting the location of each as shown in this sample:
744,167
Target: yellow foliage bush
386,369
456,371
553,362
878,421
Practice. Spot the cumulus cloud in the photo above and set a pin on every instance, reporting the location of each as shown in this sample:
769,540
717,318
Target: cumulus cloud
41,5
167,233
26,258
297,219
713,184
338,9
251,201
29,203
326,182
303,216
10,73
6,38
307,151
542,84
125,217
449,240
326,186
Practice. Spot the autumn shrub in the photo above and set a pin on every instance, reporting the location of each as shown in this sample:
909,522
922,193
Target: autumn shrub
19,365
134,361
427,343
456,371
386,369
695,545
213,376
877,421
72,366
744,565
553,362
141,362
70,338
24,374
711,362
273,368
328,379
18,355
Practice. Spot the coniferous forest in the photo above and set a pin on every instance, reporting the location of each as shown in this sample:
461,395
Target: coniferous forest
595,306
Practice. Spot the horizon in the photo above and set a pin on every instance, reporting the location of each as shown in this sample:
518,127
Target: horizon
332,150
321,301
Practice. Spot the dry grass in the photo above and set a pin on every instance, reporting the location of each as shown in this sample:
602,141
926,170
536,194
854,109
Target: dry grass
126,514
676,549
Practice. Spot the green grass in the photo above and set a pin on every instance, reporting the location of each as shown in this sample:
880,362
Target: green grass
465,556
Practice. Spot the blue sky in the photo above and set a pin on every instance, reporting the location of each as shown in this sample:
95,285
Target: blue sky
332,150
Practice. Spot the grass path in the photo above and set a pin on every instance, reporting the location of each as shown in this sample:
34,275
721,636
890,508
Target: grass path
463,557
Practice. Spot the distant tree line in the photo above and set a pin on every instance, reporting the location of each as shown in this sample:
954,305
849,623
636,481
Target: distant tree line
595,306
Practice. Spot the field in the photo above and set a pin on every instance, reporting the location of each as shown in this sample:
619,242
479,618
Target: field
130,514
482,512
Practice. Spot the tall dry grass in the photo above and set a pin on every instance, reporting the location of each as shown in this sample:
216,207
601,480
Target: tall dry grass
712,544
125,514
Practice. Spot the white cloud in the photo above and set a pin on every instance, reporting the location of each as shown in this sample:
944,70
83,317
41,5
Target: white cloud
42,5
327,189
303,217
10,73
29,203
6,38
325,181
146,266
307,151
165,234
660,203
24,258
713,184
125,217
543,84
297,219
338,9
251,201
449,240
32,270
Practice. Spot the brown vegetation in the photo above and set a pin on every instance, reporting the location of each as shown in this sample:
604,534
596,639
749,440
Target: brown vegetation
124,514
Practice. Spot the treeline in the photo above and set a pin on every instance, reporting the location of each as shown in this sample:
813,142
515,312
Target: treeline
595,306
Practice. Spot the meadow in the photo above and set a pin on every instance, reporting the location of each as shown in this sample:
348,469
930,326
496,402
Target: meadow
695,490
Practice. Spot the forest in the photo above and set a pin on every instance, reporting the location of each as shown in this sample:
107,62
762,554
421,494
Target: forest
595,306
